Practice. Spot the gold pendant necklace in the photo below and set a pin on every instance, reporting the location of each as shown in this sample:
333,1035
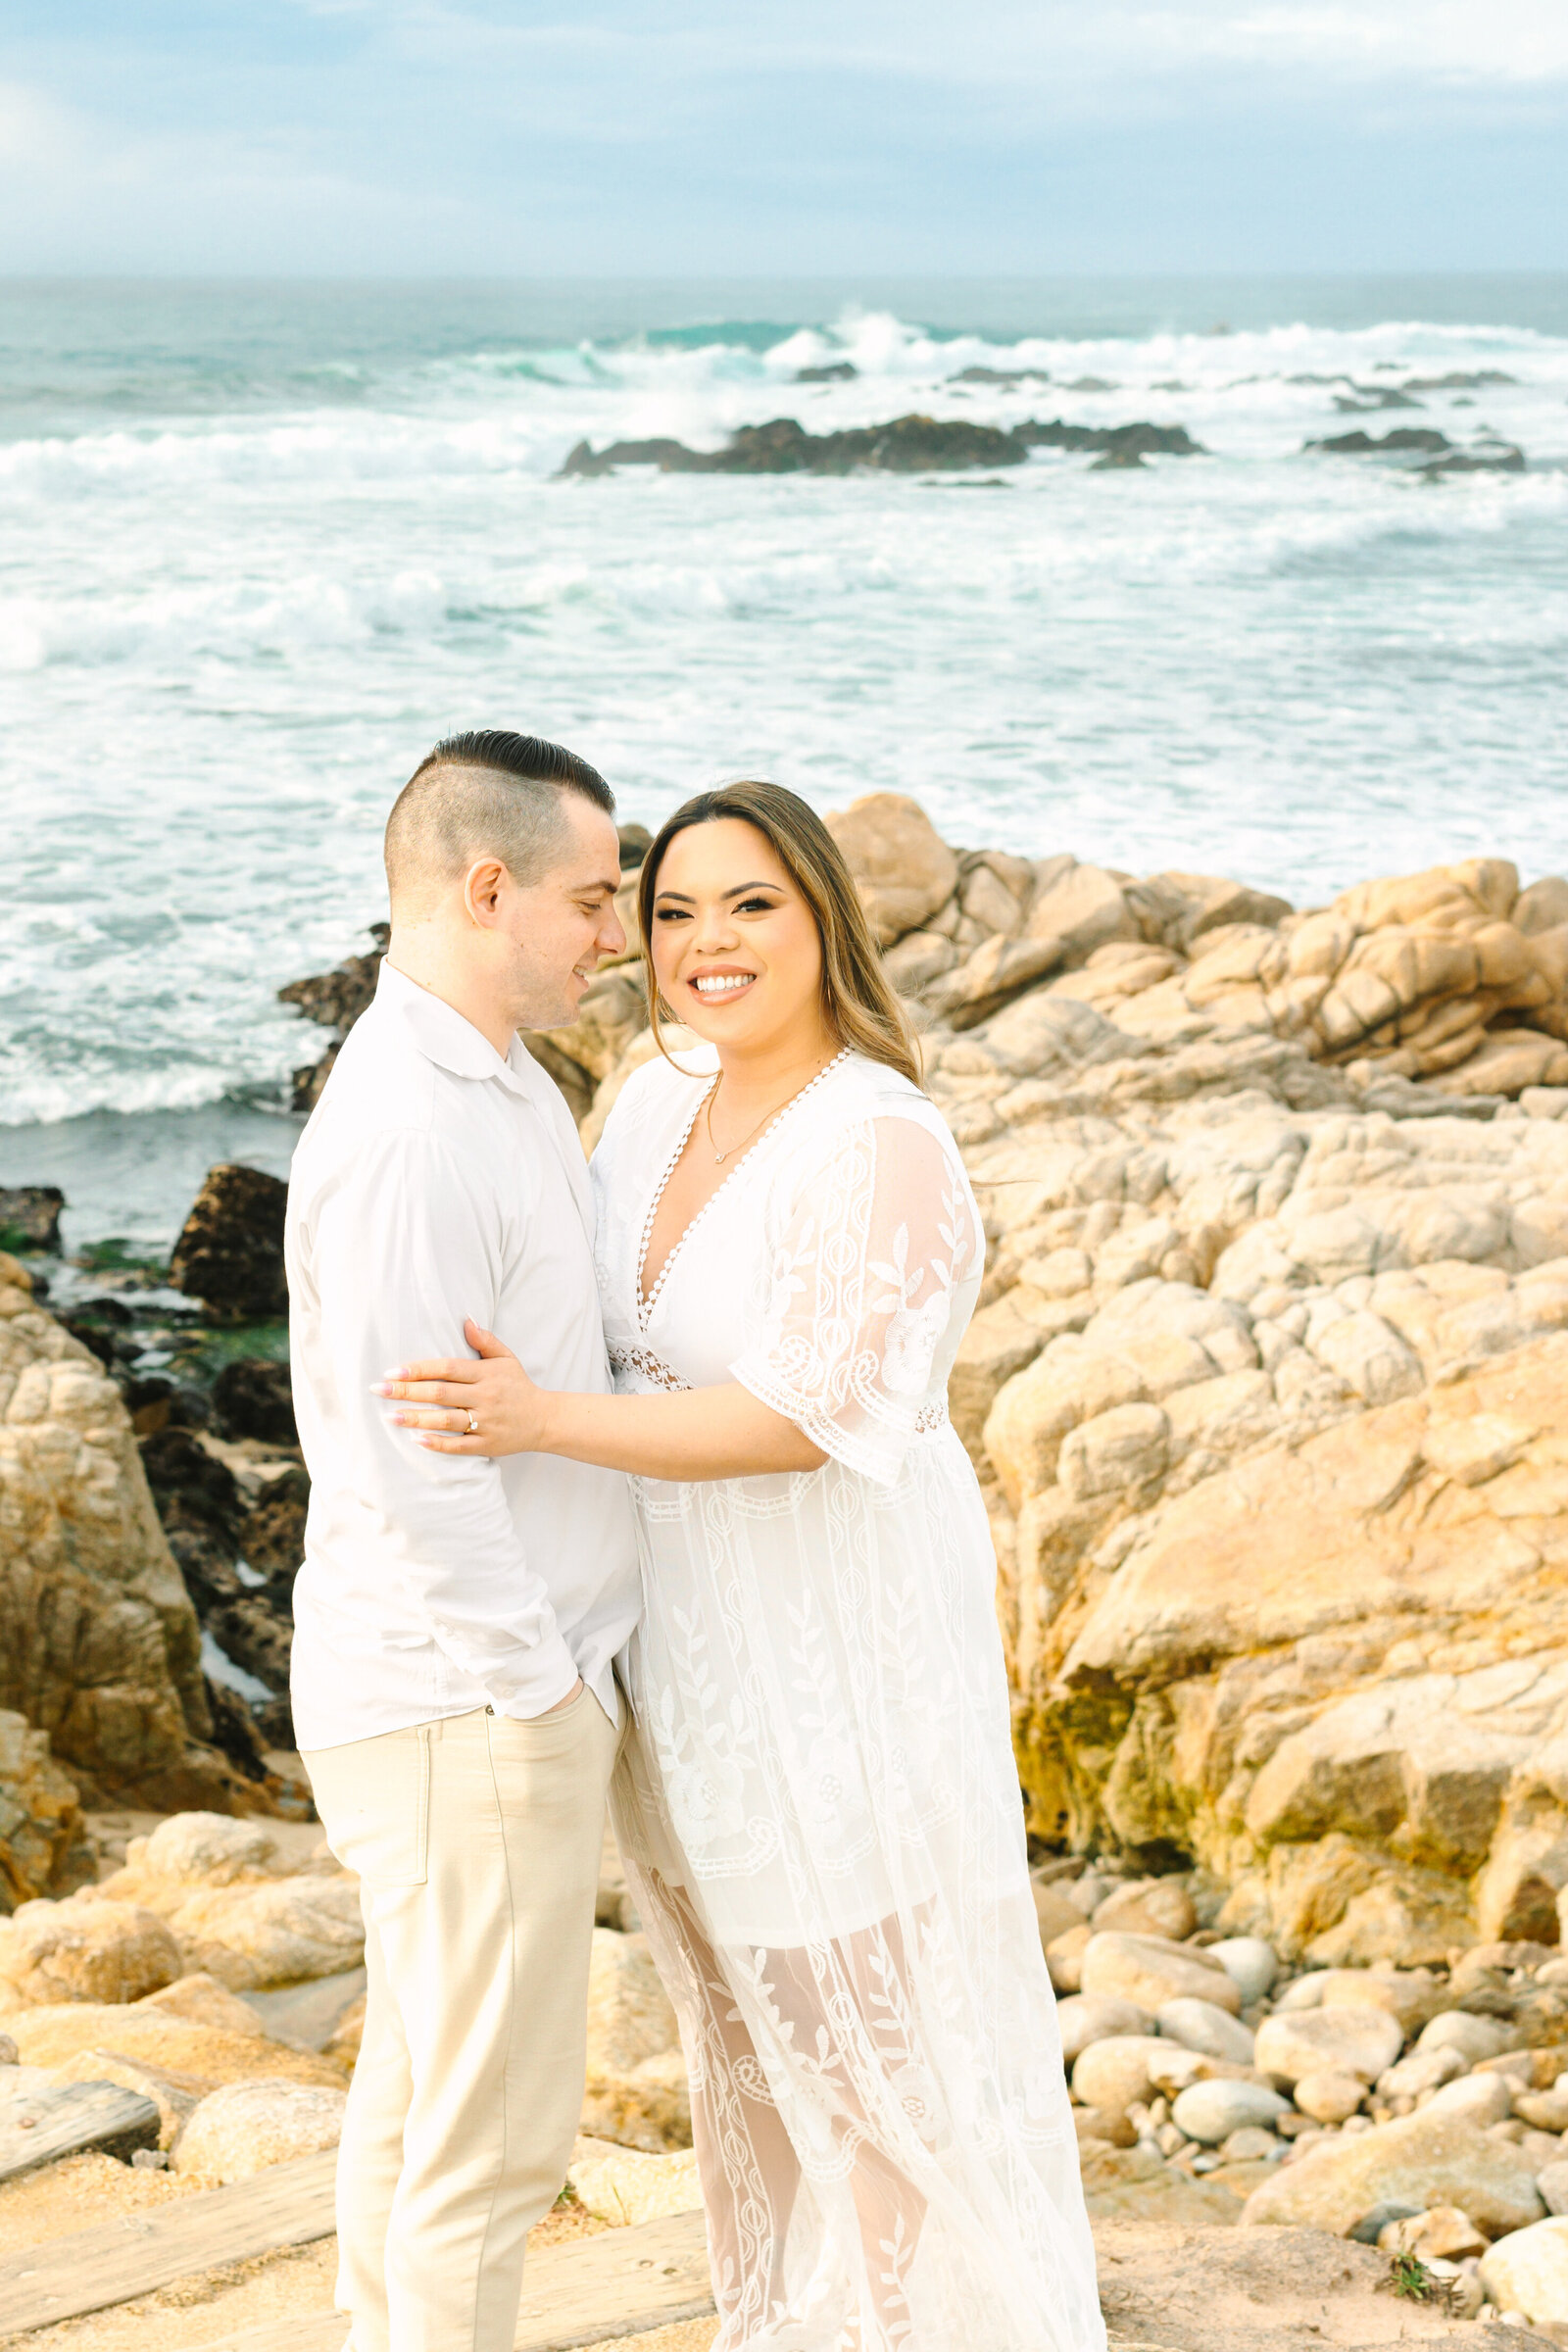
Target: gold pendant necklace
719,1156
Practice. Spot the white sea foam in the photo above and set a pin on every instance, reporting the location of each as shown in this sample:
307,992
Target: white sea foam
228,628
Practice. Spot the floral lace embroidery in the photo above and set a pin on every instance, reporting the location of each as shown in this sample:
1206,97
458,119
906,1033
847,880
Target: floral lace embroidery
647,1366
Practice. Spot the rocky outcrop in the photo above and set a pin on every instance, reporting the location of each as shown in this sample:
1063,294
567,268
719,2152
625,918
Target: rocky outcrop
99,1646
234,1907
29,1217
335,1000
44,1844
230,1252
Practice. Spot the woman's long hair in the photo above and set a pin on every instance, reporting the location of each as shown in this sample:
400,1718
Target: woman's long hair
858,1000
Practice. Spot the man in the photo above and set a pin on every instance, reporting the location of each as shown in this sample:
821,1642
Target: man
456,1620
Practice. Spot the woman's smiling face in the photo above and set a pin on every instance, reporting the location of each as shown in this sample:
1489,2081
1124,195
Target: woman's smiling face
735,947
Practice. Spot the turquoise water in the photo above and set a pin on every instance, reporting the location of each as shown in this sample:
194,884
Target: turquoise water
262,544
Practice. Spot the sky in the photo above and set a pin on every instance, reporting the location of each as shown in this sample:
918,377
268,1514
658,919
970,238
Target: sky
699,137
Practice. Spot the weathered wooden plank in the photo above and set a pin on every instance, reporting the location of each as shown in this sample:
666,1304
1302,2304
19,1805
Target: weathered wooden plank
621,2282
37,2125
286,2205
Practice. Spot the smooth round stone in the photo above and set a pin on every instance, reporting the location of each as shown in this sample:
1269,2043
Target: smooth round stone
1528,2271
1084,2019
1330,2098
1149,1907
1474,2038
1111,2074
1552,2183
1306,1992
1150,1970
1250,1962
1347,2040
1251,2144
1211,2111
1198,2025
1483,2098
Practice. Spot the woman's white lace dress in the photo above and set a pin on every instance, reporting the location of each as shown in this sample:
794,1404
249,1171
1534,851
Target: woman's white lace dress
818,1806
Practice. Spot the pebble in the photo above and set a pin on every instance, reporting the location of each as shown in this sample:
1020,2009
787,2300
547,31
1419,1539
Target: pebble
1148,1970
1527,2272
1083,2019
1329,2097
1305,1992
1252,1965
1474,2038
1111,2074
1346,2039
1198,2024
1211,2111
1552,2183
1483,2098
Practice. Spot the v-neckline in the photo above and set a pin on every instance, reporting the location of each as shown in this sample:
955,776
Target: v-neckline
646,1303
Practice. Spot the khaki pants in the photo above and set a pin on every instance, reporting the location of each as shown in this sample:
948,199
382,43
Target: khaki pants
477,1843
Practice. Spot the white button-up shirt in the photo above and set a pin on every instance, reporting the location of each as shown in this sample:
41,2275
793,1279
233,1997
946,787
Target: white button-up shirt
436,1180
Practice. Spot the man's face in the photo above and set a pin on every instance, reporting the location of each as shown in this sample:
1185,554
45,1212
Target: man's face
554,934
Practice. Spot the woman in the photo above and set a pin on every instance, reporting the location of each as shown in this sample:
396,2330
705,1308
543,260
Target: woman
816,1802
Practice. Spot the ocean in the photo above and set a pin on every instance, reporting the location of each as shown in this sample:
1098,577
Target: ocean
262,544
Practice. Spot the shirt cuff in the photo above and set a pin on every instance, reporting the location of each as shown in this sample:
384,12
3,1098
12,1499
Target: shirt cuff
553,1671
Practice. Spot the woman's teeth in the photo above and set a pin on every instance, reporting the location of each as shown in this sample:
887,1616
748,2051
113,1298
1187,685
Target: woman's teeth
722,984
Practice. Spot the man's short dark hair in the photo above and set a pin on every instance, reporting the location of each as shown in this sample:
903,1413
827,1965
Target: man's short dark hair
485,793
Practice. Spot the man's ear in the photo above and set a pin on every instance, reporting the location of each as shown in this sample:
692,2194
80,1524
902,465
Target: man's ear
482,886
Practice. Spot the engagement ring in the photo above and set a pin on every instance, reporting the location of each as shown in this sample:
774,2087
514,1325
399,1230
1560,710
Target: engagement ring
473,1425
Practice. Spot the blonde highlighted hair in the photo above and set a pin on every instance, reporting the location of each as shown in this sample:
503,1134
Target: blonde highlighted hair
858,999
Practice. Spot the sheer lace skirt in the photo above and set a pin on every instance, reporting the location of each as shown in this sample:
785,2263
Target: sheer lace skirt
885,2148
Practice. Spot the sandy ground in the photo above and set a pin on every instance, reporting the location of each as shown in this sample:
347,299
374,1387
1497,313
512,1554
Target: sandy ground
1164,2291
80,2192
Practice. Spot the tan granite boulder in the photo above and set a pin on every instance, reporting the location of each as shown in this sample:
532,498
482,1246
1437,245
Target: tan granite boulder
1420,2161
902,867
87,1948
45,1848
240,2130
636,2089
234,1907
99,1646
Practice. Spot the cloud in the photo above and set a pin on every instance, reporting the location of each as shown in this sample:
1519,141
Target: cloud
400,136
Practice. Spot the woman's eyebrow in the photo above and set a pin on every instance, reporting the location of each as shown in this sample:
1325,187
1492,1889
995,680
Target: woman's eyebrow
741,888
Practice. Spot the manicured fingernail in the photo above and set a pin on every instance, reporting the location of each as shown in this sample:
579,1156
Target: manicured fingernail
398,1372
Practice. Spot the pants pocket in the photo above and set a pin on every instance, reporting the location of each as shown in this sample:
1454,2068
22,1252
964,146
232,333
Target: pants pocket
373,1796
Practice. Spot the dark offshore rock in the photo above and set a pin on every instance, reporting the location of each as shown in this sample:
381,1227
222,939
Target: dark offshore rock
335,999
1142,440
1497,458
635,842
837,371
1119,460
252,1397
231,1254
1364,397
29,1217
1459,379
909,445
1001,376
1405,439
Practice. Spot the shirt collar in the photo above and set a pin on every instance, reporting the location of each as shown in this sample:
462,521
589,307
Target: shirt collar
447,1037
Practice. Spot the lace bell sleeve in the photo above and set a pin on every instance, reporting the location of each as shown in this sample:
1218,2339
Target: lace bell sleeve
870,1256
